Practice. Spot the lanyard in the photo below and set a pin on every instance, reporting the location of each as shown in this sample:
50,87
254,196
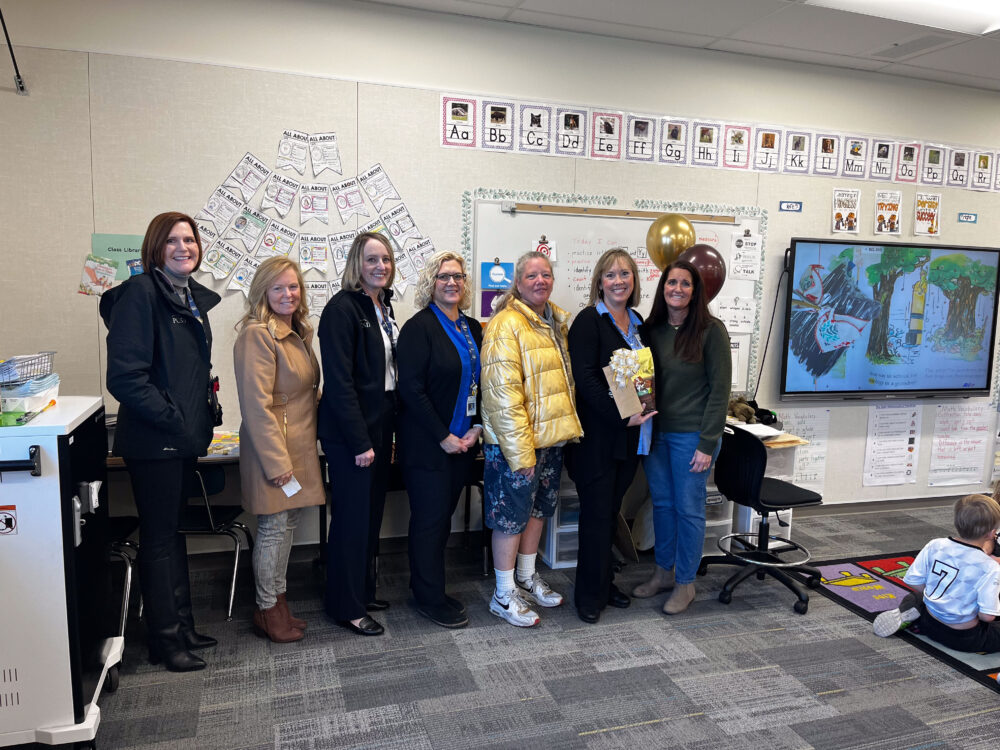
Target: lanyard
386,322
473,354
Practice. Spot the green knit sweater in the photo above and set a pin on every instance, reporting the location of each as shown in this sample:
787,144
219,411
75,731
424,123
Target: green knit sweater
692,396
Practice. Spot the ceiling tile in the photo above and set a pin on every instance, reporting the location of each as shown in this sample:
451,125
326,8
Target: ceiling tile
459,7
978,57
797,55
706,17
832,31
605,28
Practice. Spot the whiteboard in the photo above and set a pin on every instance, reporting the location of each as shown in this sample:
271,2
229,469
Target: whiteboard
576,241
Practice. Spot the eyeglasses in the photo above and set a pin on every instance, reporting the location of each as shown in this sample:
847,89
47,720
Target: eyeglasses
446,277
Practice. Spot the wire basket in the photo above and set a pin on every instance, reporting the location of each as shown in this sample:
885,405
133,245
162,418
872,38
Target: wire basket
19,370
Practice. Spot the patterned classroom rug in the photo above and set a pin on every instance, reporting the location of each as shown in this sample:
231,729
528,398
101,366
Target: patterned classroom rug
870,585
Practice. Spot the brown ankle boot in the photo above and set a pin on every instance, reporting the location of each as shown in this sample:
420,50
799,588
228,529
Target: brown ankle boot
679,600
295,622
271,623
661,580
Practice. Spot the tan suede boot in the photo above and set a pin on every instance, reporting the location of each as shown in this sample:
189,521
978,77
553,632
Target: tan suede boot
295,622
679,600
270,623
662,580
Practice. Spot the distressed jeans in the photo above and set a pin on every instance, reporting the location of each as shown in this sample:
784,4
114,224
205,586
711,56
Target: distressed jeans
270,554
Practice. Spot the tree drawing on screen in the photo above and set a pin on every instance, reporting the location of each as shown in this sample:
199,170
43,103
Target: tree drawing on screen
883,276
962,281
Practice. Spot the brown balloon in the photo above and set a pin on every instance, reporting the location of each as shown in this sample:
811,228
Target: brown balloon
710,265
669,236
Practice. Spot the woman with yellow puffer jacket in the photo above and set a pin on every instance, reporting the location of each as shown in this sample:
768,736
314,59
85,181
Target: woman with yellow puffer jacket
529,414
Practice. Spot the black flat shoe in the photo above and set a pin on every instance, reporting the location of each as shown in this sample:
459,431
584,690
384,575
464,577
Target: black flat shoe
444,615
455,604
588,614
367,626
376,605
194,640
618,598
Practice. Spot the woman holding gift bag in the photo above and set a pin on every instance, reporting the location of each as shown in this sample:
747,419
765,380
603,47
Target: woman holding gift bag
693,367
604,462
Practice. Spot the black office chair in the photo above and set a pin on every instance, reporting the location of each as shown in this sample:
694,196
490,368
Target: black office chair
122,547
200,518
739,475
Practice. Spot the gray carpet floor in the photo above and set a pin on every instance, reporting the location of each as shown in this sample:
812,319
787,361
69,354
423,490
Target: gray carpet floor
751,674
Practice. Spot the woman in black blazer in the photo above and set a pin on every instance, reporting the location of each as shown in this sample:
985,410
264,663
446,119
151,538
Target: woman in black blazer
604,462
357,412
438,424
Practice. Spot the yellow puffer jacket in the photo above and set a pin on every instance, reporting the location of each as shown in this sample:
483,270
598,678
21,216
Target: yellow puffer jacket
528,399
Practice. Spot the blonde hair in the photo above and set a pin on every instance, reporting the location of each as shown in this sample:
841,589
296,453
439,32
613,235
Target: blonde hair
513,292
604,263
355,261
976,516
258,310
425,284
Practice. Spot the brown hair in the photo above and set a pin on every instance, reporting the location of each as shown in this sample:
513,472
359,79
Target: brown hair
976,516
512,292
356,258
258,308
155,242
687,344
604,263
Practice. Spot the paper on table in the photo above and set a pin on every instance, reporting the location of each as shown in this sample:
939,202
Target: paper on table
763,431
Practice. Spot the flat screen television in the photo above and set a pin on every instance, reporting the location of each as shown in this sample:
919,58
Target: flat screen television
869,319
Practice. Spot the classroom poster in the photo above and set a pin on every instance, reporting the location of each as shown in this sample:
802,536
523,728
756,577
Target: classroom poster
958,168
572,129
846,214
278,240
458,121
962,433
314,252
293,149
279,195
892,446
855,158
886,214
933,165
883,160
247,176
982,170
317,294
324,153
220,259
378,186
907,162
767,142
349,199
98,275
314,203
675,141
926,214
120,248
826,154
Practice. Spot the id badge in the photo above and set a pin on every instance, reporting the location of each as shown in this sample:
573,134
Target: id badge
470,402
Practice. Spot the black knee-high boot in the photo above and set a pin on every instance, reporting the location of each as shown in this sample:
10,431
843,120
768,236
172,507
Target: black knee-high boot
182,598
166,642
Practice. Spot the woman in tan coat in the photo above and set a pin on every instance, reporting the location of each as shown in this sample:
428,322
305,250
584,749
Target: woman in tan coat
277,376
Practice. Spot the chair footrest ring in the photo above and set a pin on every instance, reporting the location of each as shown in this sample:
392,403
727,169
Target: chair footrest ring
754,556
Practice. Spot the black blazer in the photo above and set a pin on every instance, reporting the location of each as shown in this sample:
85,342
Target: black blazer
159,363
353,352
592,339
429,373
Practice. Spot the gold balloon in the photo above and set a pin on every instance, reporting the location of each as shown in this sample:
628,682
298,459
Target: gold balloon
669,236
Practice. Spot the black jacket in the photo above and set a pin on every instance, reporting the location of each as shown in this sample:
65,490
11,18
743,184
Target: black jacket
159,364
593,337
353,352
429,373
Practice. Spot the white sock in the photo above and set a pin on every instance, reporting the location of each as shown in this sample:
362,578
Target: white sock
505,581
525,566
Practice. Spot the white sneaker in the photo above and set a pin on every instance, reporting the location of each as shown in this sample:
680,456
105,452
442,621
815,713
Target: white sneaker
893,620
512,608
538,591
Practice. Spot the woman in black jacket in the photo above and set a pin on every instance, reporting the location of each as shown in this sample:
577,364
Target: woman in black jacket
159,369
604,462
438,424
357,413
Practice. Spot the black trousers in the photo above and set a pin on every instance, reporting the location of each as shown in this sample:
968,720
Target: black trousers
434,495
984,638
357,500
600,503
158,489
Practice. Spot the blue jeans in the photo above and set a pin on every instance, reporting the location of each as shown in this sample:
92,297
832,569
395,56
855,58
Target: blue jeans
270,554
678,502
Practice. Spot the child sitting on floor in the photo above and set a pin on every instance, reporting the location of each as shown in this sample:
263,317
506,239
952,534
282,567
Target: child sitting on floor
960,583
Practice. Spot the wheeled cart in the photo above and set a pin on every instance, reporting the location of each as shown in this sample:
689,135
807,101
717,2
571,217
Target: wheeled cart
55,619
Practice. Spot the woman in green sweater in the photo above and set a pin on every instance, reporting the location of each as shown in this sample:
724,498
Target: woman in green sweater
691,356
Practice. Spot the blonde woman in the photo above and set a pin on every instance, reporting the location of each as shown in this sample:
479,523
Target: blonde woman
277,376
357,416
439,424
529,414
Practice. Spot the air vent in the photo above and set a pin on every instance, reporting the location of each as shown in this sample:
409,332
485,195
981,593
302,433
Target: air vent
913,46
9,696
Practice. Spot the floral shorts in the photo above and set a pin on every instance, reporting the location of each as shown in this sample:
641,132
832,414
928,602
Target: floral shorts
510,498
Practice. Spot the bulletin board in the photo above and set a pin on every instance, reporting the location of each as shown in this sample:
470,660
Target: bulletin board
576,230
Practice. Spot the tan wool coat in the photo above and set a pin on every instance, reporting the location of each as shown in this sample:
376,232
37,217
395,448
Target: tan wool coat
277,377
